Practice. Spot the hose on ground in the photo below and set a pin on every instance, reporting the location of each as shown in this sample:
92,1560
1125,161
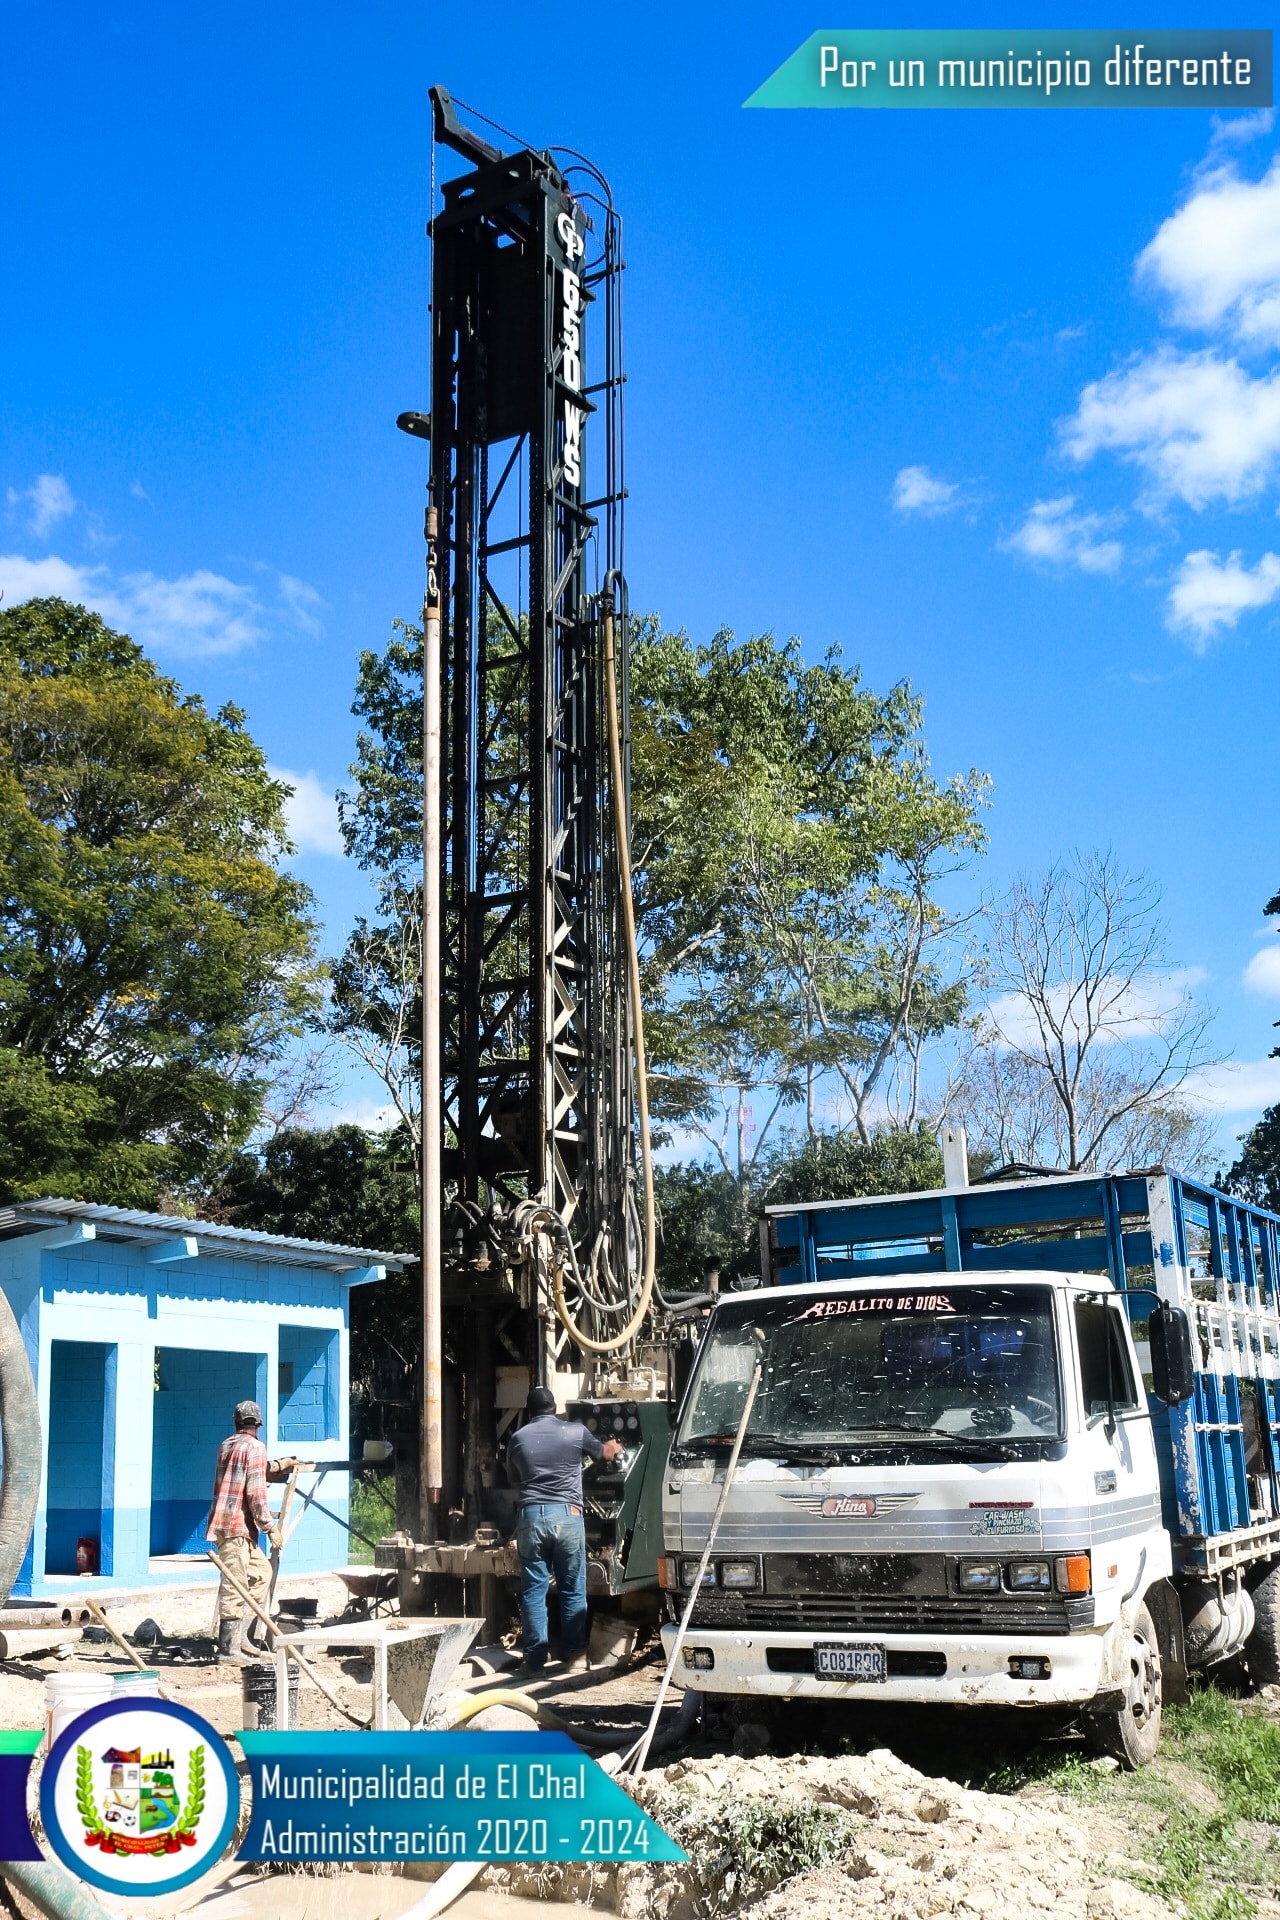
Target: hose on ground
625,1334
20,1424
52,1890
550,1722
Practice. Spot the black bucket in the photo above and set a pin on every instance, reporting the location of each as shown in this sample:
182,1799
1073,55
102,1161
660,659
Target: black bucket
258,1690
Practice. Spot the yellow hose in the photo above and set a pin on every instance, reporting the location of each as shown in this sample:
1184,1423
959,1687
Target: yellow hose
642,1077
521,1702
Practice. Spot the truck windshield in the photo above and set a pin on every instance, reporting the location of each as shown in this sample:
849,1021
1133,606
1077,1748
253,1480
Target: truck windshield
881,1361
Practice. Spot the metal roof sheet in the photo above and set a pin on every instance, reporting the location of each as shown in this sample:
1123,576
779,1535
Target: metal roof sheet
125,1223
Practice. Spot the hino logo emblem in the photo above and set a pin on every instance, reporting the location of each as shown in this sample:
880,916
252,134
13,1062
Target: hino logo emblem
853,1506
571,345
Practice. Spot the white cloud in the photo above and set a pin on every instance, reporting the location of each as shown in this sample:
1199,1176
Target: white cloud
1239,128
1262,975
1053,534
916,490
1198,425
1218,257
303,602
311,813
1209,594
50,501
197,614
1235,1086
1137,1011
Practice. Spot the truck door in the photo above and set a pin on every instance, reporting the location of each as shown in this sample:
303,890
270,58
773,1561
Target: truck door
1120,1481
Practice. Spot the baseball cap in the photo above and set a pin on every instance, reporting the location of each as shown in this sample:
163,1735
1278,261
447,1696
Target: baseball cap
248,1413
541,1400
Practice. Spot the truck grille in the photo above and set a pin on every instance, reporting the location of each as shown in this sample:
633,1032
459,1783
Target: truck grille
893,1613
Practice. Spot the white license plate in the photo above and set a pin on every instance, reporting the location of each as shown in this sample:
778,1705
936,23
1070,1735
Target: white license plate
848,1660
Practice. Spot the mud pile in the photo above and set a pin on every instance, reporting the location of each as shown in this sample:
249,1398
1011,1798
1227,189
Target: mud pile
835,1838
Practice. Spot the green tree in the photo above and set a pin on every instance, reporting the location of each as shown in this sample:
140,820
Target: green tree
701,1208
155,961
355,1188
788,841
1255,1174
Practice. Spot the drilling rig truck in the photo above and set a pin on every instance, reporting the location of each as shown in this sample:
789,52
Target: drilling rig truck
1015,1444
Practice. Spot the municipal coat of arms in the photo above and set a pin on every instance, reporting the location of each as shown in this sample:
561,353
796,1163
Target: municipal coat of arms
131,1801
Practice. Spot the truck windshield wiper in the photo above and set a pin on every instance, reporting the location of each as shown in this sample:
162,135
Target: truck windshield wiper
821,1451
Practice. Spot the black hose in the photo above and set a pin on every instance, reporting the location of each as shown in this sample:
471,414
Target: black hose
20,1426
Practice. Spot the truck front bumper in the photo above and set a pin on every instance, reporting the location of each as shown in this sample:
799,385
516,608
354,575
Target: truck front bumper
979,1670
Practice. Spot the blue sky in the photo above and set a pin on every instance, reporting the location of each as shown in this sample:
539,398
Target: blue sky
989,399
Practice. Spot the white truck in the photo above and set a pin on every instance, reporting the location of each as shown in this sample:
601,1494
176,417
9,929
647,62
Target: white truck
962,1481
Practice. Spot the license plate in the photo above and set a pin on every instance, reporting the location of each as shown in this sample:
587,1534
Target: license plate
848,1660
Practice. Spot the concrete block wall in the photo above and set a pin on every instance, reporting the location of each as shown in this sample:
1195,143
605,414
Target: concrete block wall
220,1327
74,1453
308,1356
194,1400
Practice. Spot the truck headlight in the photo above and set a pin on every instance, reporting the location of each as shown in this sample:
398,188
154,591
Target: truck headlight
739,1573
689,1573
979,1576
1028,1576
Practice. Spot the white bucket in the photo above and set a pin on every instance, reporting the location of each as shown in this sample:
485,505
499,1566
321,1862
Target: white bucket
67,1694
140,1684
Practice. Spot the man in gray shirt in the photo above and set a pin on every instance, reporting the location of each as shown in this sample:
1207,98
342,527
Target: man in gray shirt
544,1461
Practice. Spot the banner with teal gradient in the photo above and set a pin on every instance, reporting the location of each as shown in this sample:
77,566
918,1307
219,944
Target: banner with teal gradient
1029,67
360,1797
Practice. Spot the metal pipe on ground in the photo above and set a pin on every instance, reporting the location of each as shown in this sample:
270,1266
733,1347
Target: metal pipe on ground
52,1889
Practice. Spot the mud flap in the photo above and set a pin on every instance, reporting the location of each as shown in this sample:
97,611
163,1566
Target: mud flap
1163,1605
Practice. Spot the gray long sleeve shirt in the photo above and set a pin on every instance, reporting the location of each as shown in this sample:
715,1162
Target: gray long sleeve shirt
544,1460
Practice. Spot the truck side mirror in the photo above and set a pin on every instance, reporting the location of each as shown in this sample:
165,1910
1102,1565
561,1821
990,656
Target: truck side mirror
1173,1366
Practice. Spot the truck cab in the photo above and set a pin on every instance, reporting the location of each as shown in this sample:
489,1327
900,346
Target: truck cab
954,1484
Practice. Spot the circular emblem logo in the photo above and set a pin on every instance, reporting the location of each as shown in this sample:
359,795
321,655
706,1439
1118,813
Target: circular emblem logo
140,1799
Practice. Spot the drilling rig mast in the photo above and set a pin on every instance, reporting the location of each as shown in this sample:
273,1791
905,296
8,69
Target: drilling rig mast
535,1250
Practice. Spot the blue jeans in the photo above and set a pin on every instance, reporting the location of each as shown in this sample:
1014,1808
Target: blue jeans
552,1539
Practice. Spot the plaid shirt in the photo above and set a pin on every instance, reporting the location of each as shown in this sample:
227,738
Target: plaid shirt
240,1489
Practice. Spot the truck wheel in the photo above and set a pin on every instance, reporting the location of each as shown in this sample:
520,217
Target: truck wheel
1262,1648
1131,1733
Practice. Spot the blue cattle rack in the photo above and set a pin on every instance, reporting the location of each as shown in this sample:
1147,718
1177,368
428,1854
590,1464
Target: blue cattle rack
1152,1232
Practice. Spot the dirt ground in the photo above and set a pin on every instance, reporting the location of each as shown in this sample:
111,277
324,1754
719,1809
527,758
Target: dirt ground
833,1820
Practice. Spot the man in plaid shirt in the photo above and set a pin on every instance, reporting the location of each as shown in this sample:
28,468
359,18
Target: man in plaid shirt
238,1515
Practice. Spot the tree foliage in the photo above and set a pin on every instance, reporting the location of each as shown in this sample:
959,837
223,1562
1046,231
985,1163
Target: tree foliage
347,1185
155,958
706,1214
788,838
1255,1174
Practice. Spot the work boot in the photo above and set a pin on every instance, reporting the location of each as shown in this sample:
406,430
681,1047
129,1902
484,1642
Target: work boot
259,1639
229,1644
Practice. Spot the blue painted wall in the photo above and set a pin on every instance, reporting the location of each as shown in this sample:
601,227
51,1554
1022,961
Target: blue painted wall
133,1466
194,1405
77,1395
308,1364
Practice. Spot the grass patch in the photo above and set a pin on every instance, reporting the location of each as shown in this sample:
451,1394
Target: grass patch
373,1510
1238,1748
740,1850
1212,1860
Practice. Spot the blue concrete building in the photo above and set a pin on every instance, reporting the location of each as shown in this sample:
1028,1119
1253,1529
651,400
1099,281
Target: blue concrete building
143,1331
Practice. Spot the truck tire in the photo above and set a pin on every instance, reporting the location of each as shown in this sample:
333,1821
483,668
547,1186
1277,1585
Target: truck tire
1131,1732
1262,1648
